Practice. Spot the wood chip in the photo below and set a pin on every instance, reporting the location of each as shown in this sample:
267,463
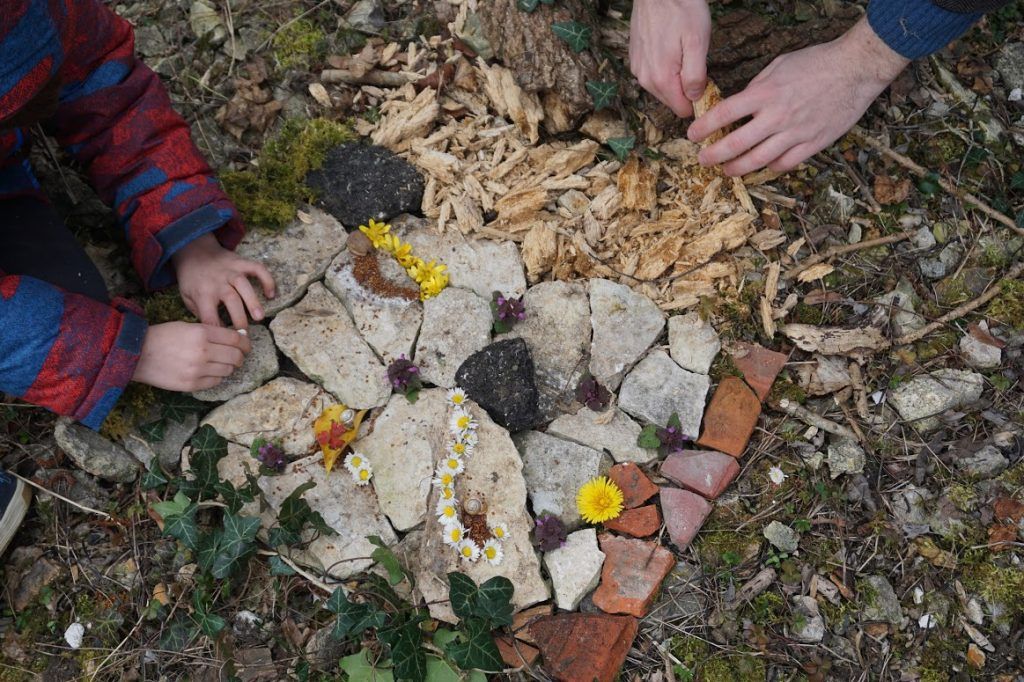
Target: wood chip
638,185
833,340
815,272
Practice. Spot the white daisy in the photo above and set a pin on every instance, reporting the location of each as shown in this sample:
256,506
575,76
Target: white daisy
499,531
457,397
460,449
444,478
468,550
776,475
363,474
461,422
447,493
454,534
448,511
492,553
453,465
353,462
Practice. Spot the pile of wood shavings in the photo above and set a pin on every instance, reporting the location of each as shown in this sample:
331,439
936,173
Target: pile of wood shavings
665,227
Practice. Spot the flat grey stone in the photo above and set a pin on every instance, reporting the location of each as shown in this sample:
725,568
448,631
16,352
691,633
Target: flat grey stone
880,600
827,374
934,393
555,469
985,463
940,266
1010,64
94,453
899,308
693,342
480,265
625,325
845,457
389,325
808,626
319,336
782,537
616,436
658,387
281,410
575,568
456,324
978,354
166,450
557,332
260,366
295,256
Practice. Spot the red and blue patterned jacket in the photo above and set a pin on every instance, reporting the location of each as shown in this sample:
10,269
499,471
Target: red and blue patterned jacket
60,350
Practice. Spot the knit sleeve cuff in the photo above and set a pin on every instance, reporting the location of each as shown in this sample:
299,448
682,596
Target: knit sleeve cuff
916,28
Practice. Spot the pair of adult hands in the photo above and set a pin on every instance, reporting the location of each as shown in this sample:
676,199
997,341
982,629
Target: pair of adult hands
798,105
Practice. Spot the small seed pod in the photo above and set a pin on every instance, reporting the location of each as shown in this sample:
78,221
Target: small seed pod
475,504
359,244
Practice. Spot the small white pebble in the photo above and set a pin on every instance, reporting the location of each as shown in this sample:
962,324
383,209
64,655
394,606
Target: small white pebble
877,397
918,595
1015,95
74,634
927,621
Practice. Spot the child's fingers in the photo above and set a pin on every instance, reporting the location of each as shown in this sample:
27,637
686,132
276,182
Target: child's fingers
236,309
249,297
260,272
206,308
218,369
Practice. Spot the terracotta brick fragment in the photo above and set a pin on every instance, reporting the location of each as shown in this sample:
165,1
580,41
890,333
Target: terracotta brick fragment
522,620
584,647
636,487
705,472
631,575
759,366
731,417
685,513
515,653
640,522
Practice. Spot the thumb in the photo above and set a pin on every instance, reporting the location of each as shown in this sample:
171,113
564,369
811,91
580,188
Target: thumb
694,71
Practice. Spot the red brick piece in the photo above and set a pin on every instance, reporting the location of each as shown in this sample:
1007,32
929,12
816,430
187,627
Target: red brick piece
640,522
636,487
759,366
584,647
731,417
685,513
705,472
631,575
515,653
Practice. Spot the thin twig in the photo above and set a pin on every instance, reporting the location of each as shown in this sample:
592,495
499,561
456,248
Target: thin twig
847,248
301,571
61,497
803,414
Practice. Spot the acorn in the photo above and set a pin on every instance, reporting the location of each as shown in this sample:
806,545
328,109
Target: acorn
358,243
475,504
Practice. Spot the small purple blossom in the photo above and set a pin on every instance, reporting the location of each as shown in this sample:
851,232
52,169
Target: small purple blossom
271,456
549,533
507,312
404,375
672,440
592,394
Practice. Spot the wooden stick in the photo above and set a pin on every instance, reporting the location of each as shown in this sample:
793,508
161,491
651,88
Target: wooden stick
803,414
384,79
946,185
847,248
772,197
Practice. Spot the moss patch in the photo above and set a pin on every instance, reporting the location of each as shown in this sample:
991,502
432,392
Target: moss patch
134,404
1008,306
299,44
998,584
268,195
166,306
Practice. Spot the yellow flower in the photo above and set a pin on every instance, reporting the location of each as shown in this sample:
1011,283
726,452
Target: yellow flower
376,232
417,269
599,500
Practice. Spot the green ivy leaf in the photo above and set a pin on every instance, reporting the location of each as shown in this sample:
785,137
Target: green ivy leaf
622,146
279,567
210,623
296,513
178,406
1017,180
355,619
359,669
208,448
577,35
462,594
494,601
278,536
405,639
177,636
603,93
386,558
234,498
673,422
547,2
173,507
648,438
527,5
153,431
209,545
154,478
184,528
237,540
478,650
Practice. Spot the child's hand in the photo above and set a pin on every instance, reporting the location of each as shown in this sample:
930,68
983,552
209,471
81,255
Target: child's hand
185,356
210,275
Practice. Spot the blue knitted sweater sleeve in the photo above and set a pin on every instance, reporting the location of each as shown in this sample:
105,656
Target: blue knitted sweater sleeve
915,28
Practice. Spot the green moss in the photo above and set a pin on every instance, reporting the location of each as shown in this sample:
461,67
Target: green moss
767,608
299,44
722,367
690,650
1013,477
166,306
935,345
268,195
998,584
937,655
134,404
1008,306
808,314
786,388
954,291
741,668
963,496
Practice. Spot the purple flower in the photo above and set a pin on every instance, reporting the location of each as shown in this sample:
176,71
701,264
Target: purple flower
549,533
404,376
672,439
506,312
592,394
271,456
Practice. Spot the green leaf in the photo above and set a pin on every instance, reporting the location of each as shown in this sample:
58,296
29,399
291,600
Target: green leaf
929,184
177,635
547,2
206,552
412,396
494,601
294,509
648,438
154,431
354,619
237,540
234,498
359,669
208,448
1017,180
154,478
478,649
178,406
439,670
577,35
462,594
279,567
336,602
405,641
603,93
184,528
673,421
386,558
172,507
622,146
527,5
278,536
210,623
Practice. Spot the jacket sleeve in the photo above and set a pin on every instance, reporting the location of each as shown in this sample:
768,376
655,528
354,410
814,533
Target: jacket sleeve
115,118
66,352
916,28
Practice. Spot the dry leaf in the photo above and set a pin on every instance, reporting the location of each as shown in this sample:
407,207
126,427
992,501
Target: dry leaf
1008,509
333,435
1001,536
319,93
889,190
815,272
540,248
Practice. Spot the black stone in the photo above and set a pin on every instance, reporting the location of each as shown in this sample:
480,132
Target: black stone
360,181
500,378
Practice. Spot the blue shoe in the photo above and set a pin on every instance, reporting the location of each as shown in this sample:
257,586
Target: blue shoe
14,500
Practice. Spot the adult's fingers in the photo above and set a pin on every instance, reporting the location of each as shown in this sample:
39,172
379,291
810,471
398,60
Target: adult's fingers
722,114
260,272
737,143
667,87
228,337
236,309
694,72
248,294
794,157
760,156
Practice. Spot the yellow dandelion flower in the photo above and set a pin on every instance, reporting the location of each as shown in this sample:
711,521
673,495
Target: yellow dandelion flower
599,500
375,231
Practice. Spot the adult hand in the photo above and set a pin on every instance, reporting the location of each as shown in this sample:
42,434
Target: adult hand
801,103
185,356
210,275
668,49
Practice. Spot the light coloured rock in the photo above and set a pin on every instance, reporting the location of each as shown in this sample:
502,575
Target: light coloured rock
351,510
94,453
899,308
495,472
557,332
319,336
934,393
482,265
808,626
827,374
575,568
401,449
658,387
617,437
625,325
555,469
281,410
295,256
985,463
693,343
845,457
939,267
389,325
782,537
456,324
881,603
165,450
260,366
978,354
